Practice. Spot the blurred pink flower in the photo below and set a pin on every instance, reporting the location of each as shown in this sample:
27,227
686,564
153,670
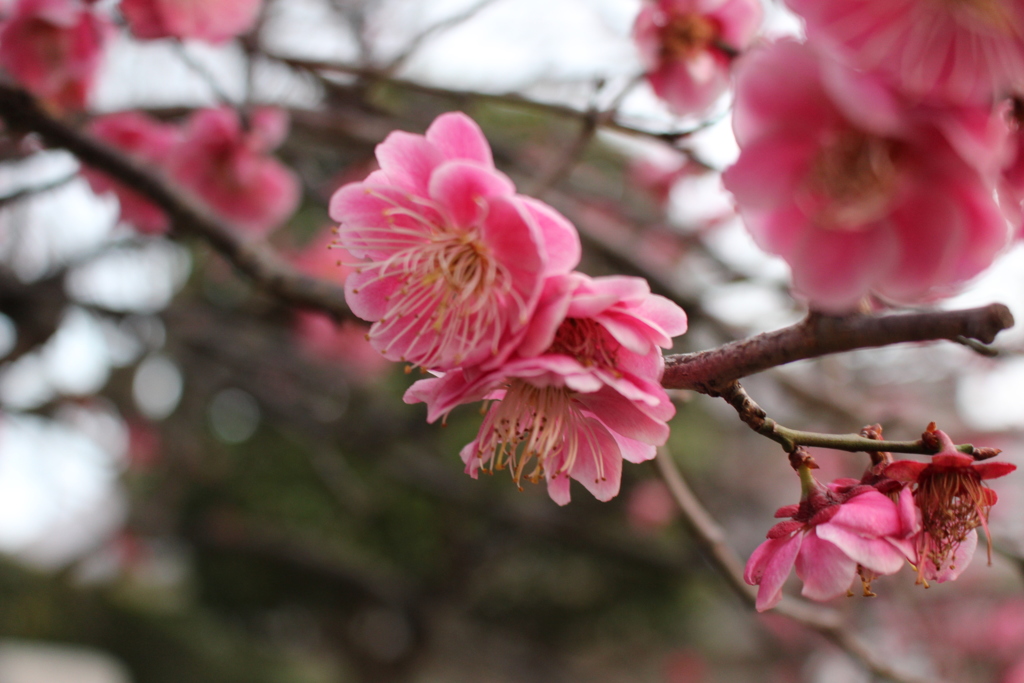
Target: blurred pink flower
211,20
968,50
953,503
856,189
650,505
455,260
830,539
228,167
54,48
687,47
145,139
581,393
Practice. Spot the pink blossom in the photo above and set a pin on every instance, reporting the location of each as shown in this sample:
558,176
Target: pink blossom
455,260
953,503
211,20
228,167
831,538
688,47
149,141
54,48
581,393
968,50
859,191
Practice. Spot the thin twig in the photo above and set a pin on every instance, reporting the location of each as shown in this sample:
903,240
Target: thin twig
817,335
254,258
755,417
509,99
29,192
713,539
431,31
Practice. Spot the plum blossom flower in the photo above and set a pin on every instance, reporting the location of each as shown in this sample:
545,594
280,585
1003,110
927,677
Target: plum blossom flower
1011,183
967,50
455,260
228,167
836,533
581,393
859,191
687,47
146,139
953,503
54,48
211,20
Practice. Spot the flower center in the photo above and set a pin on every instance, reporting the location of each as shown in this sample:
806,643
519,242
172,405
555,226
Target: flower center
686,35
952,505
544,425
586,341
453,296
852,182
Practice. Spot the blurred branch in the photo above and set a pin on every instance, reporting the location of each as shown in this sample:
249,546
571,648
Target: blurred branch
711,372
509,99
431,31
29,192
254,258
756,418
712,538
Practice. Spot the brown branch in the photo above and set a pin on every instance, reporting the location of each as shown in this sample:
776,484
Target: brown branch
710,372
253,258
755,417
713,540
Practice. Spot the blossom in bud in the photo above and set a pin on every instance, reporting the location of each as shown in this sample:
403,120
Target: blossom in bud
688,46
455,260
54,48
953,502
859,190
581,393
149,141
211,20
966,50
835,534
228,166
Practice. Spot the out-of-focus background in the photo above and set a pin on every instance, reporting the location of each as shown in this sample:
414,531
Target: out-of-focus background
199,483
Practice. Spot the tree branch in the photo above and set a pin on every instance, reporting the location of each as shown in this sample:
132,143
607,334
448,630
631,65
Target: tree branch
756,418
711,372
254,258
712,538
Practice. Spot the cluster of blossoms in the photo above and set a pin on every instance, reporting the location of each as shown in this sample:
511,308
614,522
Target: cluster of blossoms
462,276
214,156
926,514
883,156
55,47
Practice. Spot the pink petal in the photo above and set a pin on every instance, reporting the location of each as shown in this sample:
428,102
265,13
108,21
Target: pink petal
869,513
825,569
624,416
463,188
560,238
772,568
558,488
457,136
408,160
876,554
598,464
